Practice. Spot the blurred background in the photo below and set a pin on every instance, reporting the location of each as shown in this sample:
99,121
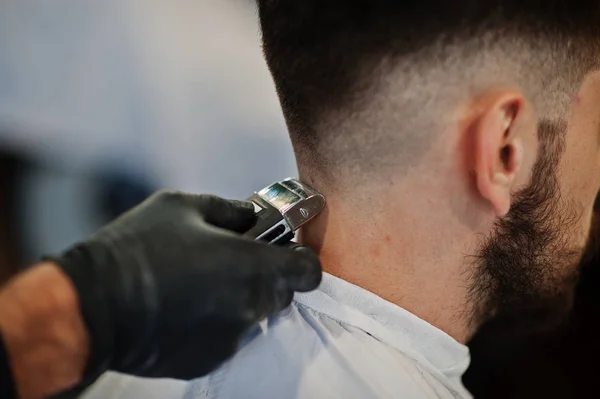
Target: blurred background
103,102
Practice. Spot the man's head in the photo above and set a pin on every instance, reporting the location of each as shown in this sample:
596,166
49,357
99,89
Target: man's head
463,95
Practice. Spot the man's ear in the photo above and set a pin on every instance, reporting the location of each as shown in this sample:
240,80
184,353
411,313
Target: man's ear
505,146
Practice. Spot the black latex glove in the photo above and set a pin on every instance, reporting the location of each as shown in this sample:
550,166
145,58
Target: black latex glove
168,290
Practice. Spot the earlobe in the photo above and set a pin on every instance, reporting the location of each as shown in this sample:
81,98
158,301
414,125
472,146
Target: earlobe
499,194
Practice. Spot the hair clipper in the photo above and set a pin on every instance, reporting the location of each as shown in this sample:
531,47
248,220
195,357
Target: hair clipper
282,208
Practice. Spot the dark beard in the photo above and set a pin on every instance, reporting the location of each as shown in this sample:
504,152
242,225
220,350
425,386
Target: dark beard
525,273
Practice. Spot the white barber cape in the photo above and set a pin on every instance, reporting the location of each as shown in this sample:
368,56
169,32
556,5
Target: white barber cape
339,341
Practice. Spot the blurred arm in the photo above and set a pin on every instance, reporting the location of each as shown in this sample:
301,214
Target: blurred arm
43,332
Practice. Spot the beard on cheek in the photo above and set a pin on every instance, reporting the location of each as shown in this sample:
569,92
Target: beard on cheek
525,273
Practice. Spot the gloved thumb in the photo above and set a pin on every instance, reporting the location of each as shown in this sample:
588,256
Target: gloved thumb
237,216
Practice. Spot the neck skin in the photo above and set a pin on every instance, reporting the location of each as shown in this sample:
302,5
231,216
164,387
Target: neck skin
404,246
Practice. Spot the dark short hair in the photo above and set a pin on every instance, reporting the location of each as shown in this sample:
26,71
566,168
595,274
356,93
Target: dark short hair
320,52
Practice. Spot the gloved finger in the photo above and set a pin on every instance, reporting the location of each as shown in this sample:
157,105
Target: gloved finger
298,272
303,273
296,265
272,275
292,245
284,299
271,296
231,215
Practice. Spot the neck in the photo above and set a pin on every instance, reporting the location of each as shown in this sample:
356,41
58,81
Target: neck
412,259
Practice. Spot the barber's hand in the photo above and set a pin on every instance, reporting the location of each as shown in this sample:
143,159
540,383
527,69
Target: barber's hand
168,289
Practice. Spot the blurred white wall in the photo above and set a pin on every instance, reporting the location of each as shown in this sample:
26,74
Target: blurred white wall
174,89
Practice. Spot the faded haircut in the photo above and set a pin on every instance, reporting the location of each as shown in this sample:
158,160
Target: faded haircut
364,83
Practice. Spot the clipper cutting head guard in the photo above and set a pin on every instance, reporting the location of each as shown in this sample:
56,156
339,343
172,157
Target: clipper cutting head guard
282,208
